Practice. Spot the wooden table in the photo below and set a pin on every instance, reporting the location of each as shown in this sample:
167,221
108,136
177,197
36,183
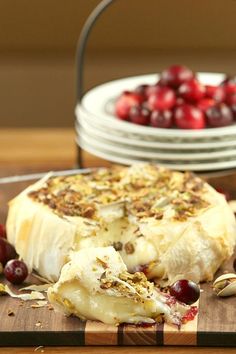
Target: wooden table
28,150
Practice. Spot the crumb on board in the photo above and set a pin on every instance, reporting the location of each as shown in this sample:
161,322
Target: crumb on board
10,312
38,304
39,324
50,307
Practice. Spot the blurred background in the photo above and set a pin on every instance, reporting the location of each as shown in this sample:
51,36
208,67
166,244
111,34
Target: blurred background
38,40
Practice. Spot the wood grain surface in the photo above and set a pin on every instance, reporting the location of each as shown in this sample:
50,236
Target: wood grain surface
15,159
214,325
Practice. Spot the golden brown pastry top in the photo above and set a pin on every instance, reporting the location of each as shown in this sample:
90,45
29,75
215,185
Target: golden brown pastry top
145,190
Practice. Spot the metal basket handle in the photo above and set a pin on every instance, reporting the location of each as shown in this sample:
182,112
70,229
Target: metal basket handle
80,54
82,42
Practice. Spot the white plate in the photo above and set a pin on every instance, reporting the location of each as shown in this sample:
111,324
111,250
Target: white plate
128,139
152,154
102,124
182,167
95,103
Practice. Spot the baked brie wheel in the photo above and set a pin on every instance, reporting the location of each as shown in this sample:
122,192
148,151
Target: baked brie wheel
96,285
165,223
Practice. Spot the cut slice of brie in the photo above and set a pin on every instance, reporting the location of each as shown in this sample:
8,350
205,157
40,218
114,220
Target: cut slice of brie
95,285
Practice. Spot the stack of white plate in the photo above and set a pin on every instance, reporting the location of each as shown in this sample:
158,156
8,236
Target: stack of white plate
102,134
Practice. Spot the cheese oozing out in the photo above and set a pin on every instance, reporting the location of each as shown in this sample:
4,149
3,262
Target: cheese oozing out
95,285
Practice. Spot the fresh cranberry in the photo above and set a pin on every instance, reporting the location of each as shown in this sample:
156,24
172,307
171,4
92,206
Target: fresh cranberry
161,119
152,89
15,271
175,75
3,232
139,115
219,115
163,99
229,86
231,99
192,90
125,102
189,117
179,101
7,251
217,93
205,103
185,291
233,109
142,90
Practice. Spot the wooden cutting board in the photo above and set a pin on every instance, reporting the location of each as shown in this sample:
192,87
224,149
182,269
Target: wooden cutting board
23,325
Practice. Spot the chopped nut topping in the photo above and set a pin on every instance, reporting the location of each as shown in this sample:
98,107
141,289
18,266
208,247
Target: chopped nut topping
129,248
135,285
88,212
102,263
117,245
145,192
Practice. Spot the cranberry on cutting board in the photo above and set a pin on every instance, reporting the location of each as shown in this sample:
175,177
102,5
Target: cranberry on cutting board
15,271
185,291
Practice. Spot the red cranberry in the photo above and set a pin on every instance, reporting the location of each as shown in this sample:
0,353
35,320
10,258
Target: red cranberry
205,103
189,117
192,90
139,115
175,75
125,102
217,93
142,90
219,115
3,232
163,99
161,119
231,99
233,109
229,84
179,101
185,291
15,271
7,251
152,89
